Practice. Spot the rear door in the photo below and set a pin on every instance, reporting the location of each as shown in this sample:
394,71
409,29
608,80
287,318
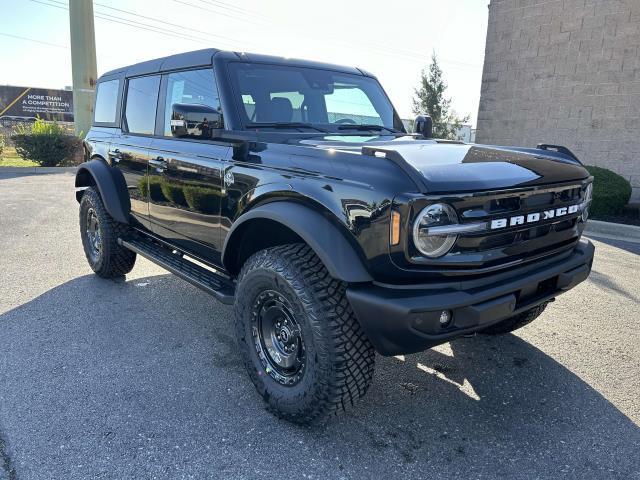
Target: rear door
130,151
106,116
186,164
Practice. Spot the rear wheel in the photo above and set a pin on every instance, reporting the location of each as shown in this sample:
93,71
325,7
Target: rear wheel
303,348
100,233
517,321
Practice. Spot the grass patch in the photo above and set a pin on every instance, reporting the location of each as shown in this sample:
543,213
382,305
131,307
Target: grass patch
11,159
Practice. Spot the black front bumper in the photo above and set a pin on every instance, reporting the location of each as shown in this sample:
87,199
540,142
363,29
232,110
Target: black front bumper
406,319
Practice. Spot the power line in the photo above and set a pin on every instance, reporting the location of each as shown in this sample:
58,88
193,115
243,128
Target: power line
222,4
383,49
134,24
218,12
163,21
390,51
396,52
33,40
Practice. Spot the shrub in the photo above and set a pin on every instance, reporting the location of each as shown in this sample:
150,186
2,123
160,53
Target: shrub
201,199
1,144
143,187
47,144
152,187
611,192
173,192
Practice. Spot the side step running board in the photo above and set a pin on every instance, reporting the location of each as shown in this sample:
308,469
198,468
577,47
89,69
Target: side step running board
210,282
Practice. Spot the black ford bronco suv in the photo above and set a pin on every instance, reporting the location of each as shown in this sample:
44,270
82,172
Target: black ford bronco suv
291,190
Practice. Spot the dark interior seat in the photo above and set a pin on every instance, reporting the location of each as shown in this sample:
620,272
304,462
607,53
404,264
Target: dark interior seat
280,110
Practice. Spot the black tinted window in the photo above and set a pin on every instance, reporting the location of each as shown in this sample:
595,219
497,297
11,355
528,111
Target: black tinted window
106,102
334,100
192,107
142,100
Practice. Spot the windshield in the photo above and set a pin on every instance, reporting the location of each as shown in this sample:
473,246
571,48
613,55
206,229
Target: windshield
299,97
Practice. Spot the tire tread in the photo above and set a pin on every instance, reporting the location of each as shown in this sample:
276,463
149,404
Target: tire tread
352,355
117,260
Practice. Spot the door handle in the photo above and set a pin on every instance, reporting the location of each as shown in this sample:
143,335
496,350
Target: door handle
115,154
159,163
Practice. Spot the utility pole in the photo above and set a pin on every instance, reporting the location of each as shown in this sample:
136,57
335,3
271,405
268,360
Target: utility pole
83,62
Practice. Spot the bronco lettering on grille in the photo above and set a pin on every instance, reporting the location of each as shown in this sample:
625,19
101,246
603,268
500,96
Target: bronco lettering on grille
533,217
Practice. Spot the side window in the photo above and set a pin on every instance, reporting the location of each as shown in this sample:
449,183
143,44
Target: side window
106,102
142,101
192,107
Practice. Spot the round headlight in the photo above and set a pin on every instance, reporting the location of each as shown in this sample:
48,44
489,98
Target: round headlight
430,244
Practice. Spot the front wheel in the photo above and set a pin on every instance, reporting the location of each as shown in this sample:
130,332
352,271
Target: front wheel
100,233
301,343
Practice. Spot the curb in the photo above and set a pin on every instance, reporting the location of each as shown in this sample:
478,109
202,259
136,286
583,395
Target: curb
37,170
617,231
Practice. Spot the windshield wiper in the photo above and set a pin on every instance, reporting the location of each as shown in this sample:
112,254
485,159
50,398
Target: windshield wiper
287,125
364,126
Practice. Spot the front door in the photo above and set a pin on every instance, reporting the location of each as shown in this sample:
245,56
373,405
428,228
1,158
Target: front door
185,190
187,165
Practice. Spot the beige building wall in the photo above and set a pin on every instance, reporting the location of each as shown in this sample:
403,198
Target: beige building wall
565,72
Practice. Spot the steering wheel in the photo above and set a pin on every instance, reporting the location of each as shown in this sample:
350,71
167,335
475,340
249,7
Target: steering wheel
344,121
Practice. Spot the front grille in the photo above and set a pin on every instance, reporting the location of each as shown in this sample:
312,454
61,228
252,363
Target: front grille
507,246
495,240
520,241
487,205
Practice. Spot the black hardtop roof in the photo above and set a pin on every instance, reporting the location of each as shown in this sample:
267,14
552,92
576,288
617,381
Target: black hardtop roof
198,58
172,62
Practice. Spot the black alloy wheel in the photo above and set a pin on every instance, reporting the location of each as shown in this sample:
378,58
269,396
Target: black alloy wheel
93,235
100,233
303,347
278,338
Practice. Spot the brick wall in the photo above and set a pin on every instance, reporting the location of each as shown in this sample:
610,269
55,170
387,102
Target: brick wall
565,72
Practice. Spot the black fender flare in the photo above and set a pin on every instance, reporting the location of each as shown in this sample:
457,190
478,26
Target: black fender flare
111,185
331,245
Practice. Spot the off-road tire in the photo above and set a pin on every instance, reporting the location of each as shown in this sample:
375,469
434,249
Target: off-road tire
515,322
340,359
113,260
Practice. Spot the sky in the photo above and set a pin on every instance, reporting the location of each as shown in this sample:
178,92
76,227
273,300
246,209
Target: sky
392,39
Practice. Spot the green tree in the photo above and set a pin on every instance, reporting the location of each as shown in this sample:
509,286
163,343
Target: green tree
430,99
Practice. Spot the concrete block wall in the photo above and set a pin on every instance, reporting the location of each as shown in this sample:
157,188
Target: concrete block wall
565,72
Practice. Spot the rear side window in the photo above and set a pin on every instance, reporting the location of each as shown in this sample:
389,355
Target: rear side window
142,101
106,102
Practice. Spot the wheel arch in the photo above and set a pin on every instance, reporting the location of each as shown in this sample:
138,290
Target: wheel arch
110,184
281,222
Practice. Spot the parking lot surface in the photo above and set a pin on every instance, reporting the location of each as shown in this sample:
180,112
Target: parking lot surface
140,378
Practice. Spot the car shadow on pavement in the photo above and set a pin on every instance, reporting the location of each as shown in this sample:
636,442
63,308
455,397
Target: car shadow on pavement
143,376
631,246
609,283
500,406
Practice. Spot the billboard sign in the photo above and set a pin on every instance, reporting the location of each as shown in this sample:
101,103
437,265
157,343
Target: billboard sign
23,103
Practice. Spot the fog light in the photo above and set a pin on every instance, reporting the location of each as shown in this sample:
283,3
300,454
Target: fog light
445,318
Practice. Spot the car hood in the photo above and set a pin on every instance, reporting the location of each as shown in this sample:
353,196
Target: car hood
458,167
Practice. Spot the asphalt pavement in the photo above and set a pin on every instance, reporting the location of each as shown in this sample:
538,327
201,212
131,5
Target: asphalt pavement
140,378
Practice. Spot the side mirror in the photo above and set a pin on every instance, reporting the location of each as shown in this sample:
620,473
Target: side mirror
194,120
423,125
